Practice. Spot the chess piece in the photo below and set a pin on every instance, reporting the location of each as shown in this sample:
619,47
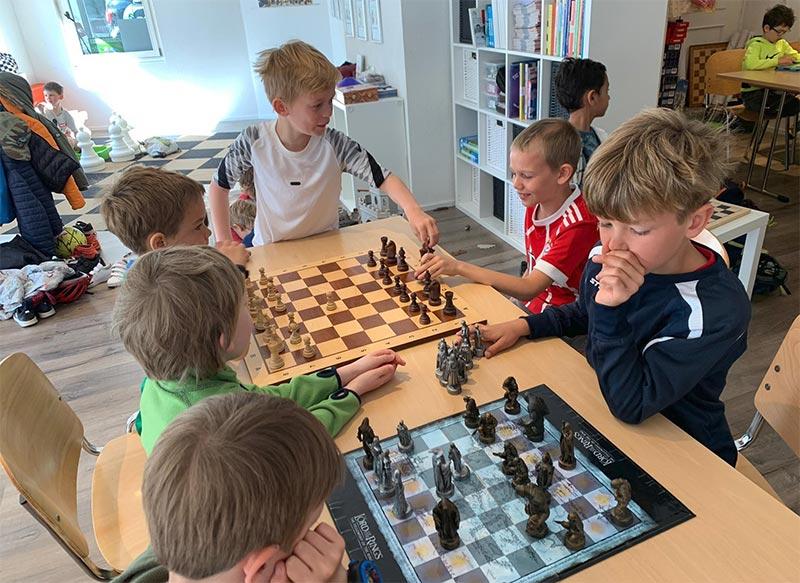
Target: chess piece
260,324
509,456
434,290
125,129
377,457
391,253
464,333
442,475
511,394
460,469
405,443
120,151
453,376
521,476
471,415
465,353
478,349
387,277
398,286
449,306
90,161
446,520
280,307
294,337
274,331
575,537
404,294
424,250
253,307
308,350
413,307
271,280
365,435
567,459
424,318
272,293
400,506
544,471
621,515
292,324
537,507
441,358
537,409
371,258
384,241
401,261
487,428
382,268
275,360
385,480
331,305
461,366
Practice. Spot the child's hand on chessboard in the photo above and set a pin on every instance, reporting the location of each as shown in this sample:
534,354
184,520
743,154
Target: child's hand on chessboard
371,371
498,337
437,265
621,276
424,226
236,252
317,558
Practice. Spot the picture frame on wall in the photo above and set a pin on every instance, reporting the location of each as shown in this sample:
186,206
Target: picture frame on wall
374,21
347,17
361,19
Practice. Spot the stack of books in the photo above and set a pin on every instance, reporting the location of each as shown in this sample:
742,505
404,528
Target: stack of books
468,148
526,25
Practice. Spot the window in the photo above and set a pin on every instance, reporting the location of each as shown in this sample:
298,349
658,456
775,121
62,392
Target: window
113,26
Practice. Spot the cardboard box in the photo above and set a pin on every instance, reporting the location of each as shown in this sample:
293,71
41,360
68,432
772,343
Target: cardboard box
356,94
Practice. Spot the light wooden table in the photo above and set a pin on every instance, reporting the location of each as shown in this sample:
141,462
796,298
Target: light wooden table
740,533
772,80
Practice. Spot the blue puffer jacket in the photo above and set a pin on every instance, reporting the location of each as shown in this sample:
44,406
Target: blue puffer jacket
37,218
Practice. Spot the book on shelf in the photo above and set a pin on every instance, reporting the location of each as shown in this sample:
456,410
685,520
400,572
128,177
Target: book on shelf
526,26
564,27
522,89
477,28
489,27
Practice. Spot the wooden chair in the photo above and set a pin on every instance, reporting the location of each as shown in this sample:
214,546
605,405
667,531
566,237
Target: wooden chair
777,399
40,445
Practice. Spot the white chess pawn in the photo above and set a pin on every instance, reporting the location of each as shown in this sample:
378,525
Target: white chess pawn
125,129
90,161
120,152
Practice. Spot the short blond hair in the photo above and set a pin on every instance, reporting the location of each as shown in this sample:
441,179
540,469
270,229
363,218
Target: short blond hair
148,200
227,478
243,213
295,68
658,161
175,305
558,141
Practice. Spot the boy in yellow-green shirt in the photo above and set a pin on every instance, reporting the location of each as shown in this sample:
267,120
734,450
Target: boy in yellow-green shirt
767,52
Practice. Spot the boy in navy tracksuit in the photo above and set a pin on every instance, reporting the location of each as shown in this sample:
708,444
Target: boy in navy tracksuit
665,319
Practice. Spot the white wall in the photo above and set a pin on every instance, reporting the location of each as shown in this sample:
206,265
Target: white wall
11,37
754,10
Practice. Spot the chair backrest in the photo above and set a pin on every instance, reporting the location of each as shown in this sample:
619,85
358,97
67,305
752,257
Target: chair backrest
778,397
723,62
40,445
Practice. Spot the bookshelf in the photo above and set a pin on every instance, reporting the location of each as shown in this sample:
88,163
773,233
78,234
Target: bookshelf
485,123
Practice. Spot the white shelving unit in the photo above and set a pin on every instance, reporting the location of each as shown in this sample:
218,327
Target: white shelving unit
380,127
483,190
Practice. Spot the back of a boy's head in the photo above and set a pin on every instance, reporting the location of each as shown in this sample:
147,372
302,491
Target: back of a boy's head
148,200
659,161
243,213
173,308
574,78
778,15
557,140
234,474
54,87
293,69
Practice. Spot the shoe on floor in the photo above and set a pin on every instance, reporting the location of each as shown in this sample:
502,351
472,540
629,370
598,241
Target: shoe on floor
25,315
118,271
44,309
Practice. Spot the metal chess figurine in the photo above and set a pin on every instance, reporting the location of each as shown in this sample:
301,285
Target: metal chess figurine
377,457
621,515
441,358
575,538
385,481
537,507
567,459
471,416
400,506
544,471
406,444
537,409
454,377
521,476
478,349
465,353
460,469
447,519
511,394
365,435
509,456
442,475
487,428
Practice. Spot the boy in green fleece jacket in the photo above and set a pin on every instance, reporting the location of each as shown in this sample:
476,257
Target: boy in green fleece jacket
767,52
182,314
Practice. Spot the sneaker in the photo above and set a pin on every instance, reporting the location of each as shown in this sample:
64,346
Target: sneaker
25,315
117,275
44,309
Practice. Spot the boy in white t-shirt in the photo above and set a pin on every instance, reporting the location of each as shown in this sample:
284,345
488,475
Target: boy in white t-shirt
297,160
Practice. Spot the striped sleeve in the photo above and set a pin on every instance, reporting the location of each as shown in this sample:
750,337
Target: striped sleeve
355,160
238,159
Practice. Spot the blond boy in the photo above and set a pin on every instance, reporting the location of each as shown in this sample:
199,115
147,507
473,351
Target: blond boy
183,315
231,495
243,217
297,160
559,229
149,209
665,319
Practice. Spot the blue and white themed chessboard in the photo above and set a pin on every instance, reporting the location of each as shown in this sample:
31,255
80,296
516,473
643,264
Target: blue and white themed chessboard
494,545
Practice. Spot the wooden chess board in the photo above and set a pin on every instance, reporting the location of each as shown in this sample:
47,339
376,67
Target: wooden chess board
494,543
698,55
368,315
724,213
